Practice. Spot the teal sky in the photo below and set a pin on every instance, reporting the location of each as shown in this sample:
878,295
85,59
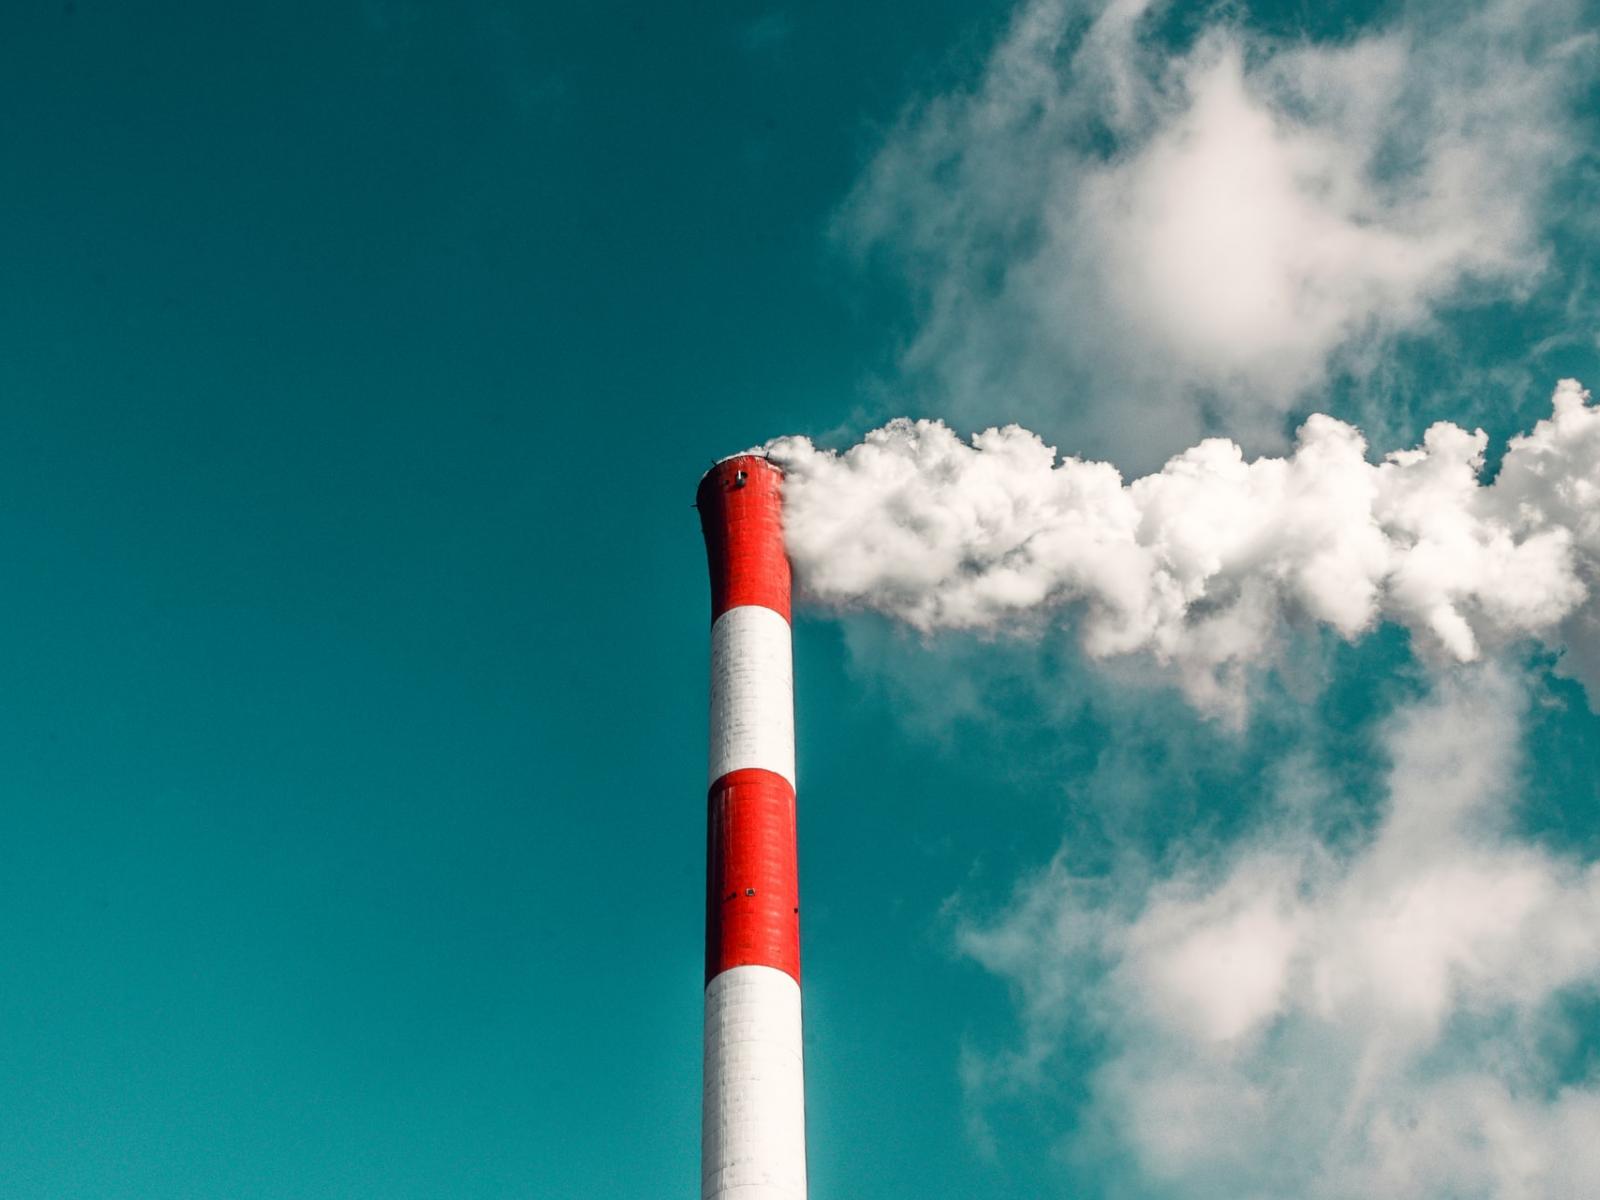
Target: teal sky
360,361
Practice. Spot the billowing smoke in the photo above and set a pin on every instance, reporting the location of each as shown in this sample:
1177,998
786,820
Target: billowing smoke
1350,955
1208,563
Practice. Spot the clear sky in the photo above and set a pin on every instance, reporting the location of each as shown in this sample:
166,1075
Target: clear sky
360,360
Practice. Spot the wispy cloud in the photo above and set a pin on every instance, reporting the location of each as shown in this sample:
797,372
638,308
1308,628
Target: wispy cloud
1131,237
1131,247
766,32
1314,1019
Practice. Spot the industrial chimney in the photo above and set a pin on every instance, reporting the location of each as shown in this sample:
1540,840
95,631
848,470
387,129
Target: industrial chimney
753,1138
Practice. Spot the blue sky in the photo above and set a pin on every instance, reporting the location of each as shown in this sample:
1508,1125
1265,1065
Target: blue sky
360,364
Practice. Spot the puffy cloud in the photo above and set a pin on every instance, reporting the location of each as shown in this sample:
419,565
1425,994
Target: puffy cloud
1311,1019
1205,564
1211,233
1131,248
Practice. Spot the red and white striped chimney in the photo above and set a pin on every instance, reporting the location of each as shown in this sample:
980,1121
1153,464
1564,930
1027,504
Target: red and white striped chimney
753,1135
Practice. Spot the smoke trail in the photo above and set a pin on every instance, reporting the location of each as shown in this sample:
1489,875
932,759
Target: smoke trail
1205,564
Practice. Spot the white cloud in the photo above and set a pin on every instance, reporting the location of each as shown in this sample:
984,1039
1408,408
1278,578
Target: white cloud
1213,233
1207,564
1131,248
1313,1020
1216,963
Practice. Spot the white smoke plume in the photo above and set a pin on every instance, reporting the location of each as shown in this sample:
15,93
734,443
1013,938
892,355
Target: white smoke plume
1208,563
1139,223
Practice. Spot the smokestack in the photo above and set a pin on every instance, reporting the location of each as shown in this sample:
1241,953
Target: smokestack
753,1138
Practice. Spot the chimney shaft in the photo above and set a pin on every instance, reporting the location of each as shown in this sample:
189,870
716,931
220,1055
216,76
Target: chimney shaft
753,1144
